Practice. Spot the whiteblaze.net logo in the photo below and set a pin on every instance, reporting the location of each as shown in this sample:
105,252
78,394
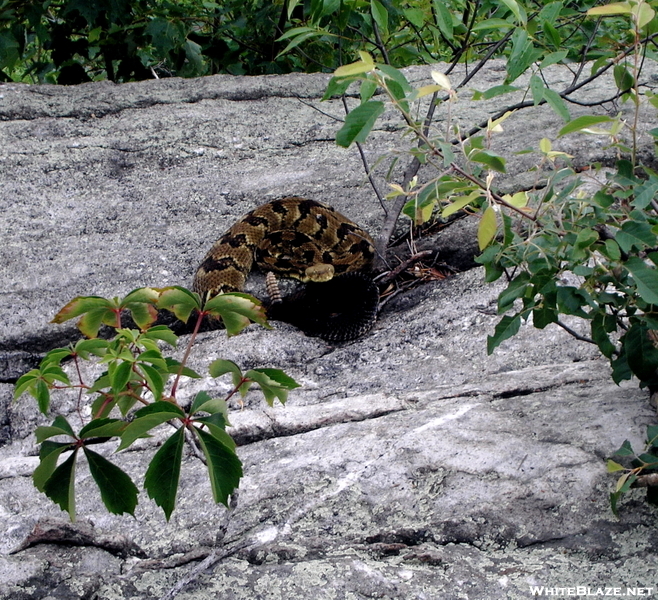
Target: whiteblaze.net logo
581,590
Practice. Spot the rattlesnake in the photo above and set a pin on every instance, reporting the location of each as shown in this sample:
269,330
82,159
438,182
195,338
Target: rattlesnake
309,241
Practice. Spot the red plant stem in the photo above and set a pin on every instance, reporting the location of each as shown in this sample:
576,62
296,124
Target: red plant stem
197,326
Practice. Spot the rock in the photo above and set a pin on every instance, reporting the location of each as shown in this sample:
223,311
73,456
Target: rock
408,465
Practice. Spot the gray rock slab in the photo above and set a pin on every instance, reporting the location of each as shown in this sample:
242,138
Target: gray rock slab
408,465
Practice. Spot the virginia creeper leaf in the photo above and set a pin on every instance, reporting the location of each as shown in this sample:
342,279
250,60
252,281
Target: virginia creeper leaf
162,476
224,467
118,492
60,486
49,453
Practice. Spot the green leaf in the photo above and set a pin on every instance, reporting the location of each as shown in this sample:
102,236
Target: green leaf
80,305
646,279
144,315
118,492
49,453
146,419
120,375
216,427
42,395
236,310
641,354
517,10
556,102
274,383
103,428
522,55
497,90
554,57
543,315
359,122
60,486
625,450
570,300
491,24
141,304
60,426
203,402
443,18
180,301
635,235
584,239
615,8
154,379
506,328
396,75
583,123
459,202
83,348
301,37
487,228
367,89
173,366
620,369
645,193
154,357
162,332
623,78
56,356
224,467
600,336
537,88
380,16
489,158
515,289
26,383
652,436
612,466
163,474
365,65
337,86
219,367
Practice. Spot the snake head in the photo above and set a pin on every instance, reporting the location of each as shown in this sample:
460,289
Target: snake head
319,273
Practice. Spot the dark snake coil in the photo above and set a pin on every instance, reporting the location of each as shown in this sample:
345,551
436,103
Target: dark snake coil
309,241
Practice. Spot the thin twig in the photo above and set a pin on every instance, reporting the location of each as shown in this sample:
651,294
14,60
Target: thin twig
403,266
575,334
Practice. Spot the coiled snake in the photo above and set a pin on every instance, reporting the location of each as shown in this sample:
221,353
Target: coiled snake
309,241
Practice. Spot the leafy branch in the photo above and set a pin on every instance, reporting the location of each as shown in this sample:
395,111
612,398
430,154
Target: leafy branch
138,373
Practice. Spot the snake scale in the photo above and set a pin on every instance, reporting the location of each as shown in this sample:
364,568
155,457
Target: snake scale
305,240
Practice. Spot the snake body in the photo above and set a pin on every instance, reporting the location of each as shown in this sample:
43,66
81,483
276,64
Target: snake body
309,241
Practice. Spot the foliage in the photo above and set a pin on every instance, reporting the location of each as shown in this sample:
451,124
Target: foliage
641,465
564,252
136,393
74,41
